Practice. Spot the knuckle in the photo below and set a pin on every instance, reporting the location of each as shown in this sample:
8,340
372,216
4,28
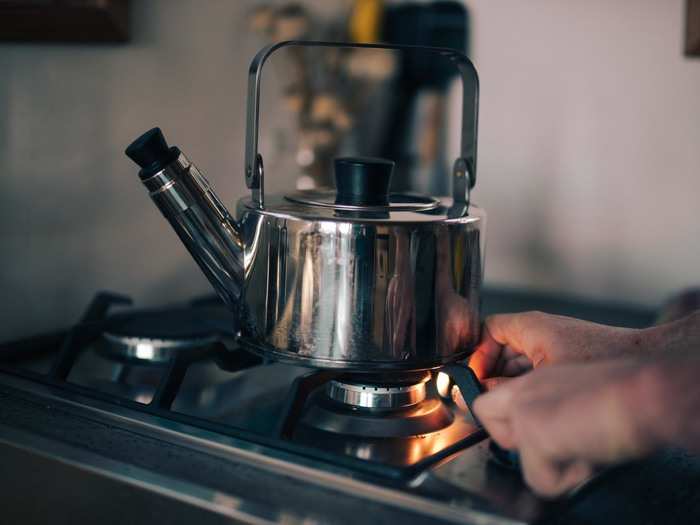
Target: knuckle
546,487
494,320
541,475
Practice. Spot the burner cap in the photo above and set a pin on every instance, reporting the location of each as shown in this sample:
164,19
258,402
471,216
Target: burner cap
153,336
386,396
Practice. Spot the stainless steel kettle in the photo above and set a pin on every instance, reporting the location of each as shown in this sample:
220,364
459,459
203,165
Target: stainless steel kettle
356,278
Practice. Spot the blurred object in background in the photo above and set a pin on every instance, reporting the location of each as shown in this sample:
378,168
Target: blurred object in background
323,88
588,146
692,28
366,21
64,21
419,107
364,101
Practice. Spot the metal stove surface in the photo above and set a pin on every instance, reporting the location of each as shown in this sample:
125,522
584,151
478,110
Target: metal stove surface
256,401
221,476
157,409
78,450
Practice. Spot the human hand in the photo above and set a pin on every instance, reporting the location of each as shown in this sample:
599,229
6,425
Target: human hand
566,421
514,343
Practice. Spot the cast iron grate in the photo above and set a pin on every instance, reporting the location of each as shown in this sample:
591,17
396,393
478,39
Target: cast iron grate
94,322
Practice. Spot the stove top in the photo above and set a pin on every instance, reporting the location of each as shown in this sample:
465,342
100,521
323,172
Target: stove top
166,402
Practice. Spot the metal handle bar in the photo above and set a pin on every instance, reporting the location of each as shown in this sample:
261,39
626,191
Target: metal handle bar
464,169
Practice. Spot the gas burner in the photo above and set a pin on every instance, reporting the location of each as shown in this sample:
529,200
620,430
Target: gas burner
346,419
430,415
378,406
154,337
365,392
396,419
151,350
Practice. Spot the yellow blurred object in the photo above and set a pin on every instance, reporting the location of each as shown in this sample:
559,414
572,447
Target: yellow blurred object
291,22
324,107
366,21
371,64
293,101
261,19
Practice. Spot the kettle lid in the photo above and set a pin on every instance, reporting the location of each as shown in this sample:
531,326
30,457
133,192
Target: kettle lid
362,185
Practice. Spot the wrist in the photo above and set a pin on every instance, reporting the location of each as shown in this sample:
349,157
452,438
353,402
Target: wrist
677,338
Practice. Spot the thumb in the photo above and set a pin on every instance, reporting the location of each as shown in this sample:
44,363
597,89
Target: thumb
506,329
519,333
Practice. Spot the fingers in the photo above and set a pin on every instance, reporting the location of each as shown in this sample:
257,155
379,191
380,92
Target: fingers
573,475
546,475
491,358
506,329
541,413
549,478
540,475
494,411
516,366
501,431
492,382
496,403
526,333
485,358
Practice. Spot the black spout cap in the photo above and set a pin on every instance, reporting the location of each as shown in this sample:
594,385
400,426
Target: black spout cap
151,152
363,181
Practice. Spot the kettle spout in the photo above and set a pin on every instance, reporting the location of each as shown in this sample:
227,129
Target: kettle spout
202,222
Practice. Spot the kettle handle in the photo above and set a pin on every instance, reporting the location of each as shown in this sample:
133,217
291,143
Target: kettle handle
464,169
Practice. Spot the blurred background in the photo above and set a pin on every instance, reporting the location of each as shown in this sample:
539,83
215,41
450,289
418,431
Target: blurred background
589,139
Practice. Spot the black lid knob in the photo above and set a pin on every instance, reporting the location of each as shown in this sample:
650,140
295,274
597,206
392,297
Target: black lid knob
151,152
363,181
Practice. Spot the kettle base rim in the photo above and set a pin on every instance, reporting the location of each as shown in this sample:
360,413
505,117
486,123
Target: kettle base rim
363,366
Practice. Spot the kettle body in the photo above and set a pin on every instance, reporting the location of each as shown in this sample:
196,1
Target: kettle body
355,279
361,293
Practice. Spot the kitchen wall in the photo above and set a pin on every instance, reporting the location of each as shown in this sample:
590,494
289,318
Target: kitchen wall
74,217
589,153
589,159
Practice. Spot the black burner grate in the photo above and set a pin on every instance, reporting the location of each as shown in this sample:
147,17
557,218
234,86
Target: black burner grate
96,320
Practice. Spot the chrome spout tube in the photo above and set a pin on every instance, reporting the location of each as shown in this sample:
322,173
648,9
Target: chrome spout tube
203,223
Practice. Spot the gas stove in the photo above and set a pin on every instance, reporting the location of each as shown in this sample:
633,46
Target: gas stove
139,412
392,436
